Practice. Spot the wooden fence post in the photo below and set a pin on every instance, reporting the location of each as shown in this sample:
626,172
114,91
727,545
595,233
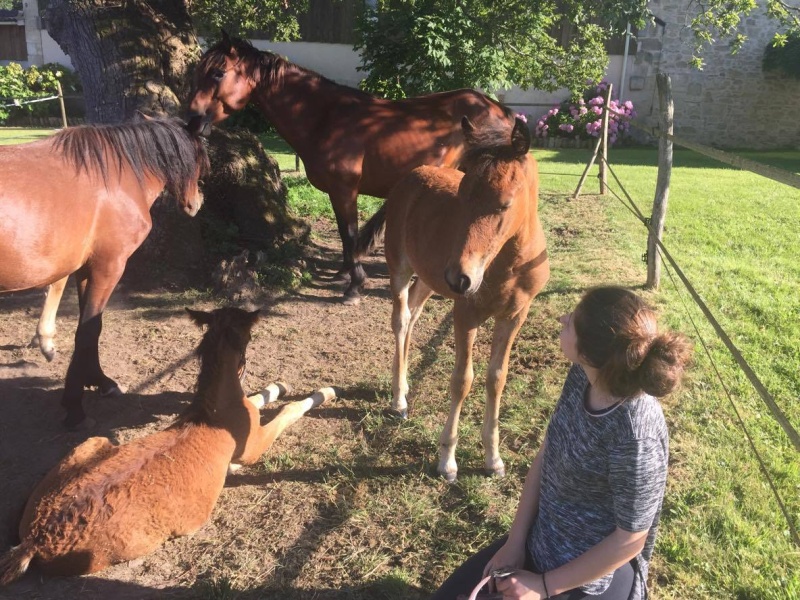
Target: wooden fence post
662,185
61,102
604,145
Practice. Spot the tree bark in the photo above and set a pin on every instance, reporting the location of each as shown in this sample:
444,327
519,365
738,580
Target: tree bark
139,55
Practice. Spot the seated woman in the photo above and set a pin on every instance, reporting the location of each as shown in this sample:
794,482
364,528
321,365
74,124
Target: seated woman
586,522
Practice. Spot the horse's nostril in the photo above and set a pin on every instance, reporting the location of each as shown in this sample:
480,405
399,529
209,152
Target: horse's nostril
458,282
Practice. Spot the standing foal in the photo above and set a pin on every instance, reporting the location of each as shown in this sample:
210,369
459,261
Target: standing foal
475,237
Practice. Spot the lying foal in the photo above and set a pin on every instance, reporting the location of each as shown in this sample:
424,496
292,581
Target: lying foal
105,504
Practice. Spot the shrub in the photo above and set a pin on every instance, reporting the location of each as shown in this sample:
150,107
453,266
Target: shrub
18,85
784,58
582,117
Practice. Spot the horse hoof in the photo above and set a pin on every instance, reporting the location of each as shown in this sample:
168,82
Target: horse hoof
449,477
49,354
498,472
79,423
398,413
351,299
112,391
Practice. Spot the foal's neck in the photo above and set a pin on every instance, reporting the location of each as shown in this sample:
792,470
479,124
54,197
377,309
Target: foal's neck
218,392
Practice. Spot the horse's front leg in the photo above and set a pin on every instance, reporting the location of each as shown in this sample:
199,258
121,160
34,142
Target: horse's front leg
400,284
505,331
261,438
46,328
465,327
345,206
94,290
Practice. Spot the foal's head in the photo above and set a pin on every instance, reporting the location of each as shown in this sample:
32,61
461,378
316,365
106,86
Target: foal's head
222,355
495,198
225,79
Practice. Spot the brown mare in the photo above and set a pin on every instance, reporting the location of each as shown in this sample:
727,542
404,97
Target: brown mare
104,504
474,237
351,142
79,202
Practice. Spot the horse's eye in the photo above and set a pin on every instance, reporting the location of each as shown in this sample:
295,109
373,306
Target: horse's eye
217,74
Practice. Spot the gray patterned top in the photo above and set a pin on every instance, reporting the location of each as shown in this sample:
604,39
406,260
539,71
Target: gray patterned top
599,472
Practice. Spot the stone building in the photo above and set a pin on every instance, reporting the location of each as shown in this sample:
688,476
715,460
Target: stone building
732,102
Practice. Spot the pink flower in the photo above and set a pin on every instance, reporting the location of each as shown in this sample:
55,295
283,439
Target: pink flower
521,117
566,127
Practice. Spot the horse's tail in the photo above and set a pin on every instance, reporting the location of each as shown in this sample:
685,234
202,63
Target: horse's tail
15,562
371,235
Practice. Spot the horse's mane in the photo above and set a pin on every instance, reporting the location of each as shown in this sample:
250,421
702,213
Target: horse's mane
161,147
485,146
203,405
262,66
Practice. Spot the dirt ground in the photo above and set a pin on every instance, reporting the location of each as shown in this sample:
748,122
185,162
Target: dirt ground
270,524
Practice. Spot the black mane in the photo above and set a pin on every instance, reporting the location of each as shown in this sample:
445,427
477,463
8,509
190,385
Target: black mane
163,148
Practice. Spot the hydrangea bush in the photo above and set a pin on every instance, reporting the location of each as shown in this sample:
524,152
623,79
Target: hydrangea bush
582,117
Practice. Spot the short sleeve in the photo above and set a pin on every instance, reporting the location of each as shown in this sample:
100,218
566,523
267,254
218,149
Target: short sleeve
638,476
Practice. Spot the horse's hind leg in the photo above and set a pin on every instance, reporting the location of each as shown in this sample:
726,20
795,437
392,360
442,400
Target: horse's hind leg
400,283
90,452
505,331
465,329
407,306
345,207
263,437
46,328
84,369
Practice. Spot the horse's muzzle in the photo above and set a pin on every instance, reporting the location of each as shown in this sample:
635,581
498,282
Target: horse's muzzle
198,124
458,281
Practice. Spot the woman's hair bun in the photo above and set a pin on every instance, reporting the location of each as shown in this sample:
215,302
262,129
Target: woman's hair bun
664,362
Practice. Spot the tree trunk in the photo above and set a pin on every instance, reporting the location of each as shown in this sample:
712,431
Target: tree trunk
130,55
139,55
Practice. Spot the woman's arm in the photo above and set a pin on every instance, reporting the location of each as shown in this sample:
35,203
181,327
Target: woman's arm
603,558
512,554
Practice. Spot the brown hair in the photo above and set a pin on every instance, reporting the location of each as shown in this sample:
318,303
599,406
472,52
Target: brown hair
616,333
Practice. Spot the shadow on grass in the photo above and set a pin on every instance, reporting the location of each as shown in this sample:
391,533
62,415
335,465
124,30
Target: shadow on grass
95,588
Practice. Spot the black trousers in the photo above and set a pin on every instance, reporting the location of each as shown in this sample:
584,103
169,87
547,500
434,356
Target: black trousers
469,574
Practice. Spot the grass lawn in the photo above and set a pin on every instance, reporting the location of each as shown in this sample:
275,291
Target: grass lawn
20,135
723,535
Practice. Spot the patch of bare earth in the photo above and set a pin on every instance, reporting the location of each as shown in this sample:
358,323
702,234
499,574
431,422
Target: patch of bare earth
284,528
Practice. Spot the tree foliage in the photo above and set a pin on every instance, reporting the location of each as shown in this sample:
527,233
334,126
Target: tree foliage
721,19
242,18
411,47
784,58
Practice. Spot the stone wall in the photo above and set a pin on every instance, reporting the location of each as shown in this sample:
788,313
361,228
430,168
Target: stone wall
731,103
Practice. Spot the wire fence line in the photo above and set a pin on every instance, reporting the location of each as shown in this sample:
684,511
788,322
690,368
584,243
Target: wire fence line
774,408
16,102
774,173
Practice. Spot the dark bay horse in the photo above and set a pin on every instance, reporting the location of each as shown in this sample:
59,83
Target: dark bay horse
104,504
474,237
350,141
79,202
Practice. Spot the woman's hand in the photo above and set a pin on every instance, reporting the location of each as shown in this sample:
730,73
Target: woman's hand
522,585
509,556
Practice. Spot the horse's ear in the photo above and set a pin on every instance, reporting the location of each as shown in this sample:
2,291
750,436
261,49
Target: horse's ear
254,316
226,42
142,116
467,127
199,317
520,137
